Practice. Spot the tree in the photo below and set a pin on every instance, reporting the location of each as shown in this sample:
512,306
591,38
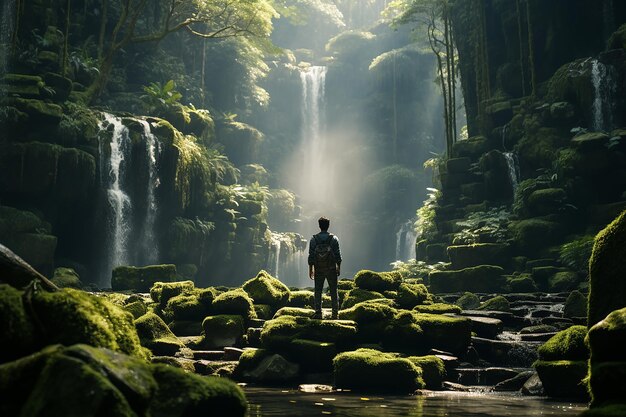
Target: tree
434,23
210,19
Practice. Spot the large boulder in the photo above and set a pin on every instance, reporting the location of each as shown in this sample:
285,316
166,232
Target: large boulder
260,365
463,256
141,279
223,330
157,336
265,289
279,333
607,281
374,371
377,281
236,302
482,278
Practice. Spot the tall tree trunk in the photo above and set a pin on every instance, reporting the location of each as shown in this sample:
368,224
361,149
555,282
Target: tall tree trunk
103,26
453,77
521,46
66,40
531,50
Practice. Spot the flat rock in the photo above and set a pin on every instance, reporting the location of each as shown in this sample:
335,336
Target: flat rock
516,383
487,327
313,388
533,386
209,355
536,337
232,353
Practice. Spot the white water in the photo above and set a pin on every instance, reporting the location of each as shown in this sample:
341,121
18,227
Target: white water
603,88
405,241
286,261
148,242
511,161
119,203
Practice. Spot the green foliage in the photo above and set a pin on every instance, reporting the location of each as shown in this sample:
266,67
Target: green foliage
158,94
484,226
349,42
568,344
576,254
425,225
438,308
303,12
413,269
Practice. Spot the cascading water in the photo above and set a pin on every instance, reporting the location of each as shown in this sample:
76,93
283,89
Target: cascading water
603,88
511,161
149,248
287,257
274,255
405,241
119,203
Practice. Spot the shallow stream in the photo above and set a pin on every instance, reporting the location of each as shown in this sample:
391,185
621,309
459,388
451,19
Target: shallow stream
265,402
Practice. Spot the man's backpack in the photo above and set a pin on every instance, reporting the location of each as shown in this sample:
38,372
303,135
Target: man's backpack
324,256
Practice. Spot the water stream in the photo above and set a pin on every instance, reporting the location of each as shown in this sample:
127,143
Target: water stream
603,88
405,241
512,163
268,402
149,247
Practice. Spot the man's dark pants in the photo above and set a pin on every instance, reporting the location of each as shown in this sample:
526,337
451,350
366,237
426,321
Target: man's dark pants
331,277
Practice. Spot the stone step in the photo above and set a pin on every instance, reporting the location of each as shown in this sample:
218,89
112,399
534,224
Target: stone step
232,353
257,322
210,355
485,376
536,337
206,367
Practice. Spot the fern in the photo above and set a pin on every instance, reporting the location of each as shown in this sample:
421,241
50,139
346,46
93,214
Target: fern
576,253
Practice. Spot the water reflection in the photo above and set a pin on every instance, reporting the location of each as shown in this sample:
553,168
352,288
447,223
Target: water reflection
266,402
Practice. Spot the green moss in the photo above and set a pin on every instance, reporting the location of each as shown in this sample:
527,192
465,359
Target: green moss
72,316
607,286
345,284
531,235
183,394
433,370
294,311
410,295
403,334
302,298
156,336
265,289
66,278
223,330
568,344
358,295
468,301
313,355
607,382
17,332
539,328
249,360
483,278
451,334
438,308
367,312
607,338
377,281
563,378
564,281
463,256
141,278
136,308
161,292
498,303
235,301
523,283
185,307
278,333
263,311
372,370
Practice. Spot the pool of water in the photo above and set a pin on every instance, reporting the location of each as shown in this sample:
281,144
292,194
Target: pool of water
265,402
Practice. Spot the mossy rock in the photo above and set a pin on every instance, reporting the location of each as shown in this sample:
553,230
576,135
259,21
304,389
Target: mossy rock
523,283
136,308
410,295
358,295
277,334
223,330
313,355
451,334
66,278
483,278
186,306
156,336
345,284
607,383
141,279
302,299
568,344
295,312
161,292
433,370
498,303
249,360
468,301
531,235
236,302
265,289
403,334
463,256
607,283
263,311
539,328
17,331
563,378
607,338
564,281
546,201
471,148
13,220
370,370
377,281
438,308
367,312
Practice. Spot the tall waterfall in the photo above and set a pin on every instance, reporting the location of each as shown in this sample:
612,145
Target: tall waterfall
405,241
112,171
316,178
603,88
149,248
512,163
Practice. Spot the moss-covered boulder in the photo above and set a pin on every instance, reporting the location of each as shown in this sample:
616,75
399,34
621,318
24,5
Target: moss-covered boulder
483,278
156,336
523,283
433,370
313,355
294,311
302,299
141,279
265,289
161,292
498,303
223,330
377,281
358,295
531,235
451,334
263,311
370,370
410,295
564,281
468,301
193,305
17,330
403,334
263,366
562,363
438,308
607,283
66,278
464,256
575,305
136,308
277,334
236,302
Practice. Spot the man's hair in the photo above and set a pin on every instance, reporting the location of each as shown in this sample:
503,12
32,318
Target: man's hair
323,223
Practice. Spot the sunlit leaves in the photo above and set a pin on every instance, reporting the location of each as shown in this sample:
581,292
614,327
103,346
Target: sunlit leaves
300,12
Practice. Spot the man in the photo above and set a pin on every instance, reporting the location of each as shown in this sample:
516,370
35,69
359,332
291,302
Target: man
324,264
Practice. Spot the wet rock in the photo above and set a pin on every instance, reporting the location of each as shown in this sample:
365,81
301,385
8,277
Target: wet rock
458,165
590,141
141,279
486,376
486,327
185,327
156,336
533,386
223,330
483,278
516,383
274,369
208,355
452,386
66,278
314,388
232,353
463,256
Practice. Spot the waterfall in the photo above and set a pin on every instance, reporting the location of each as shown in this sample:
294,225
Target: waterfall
149,247
119,204
511,161
7,26
405,241
603,88
315,176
